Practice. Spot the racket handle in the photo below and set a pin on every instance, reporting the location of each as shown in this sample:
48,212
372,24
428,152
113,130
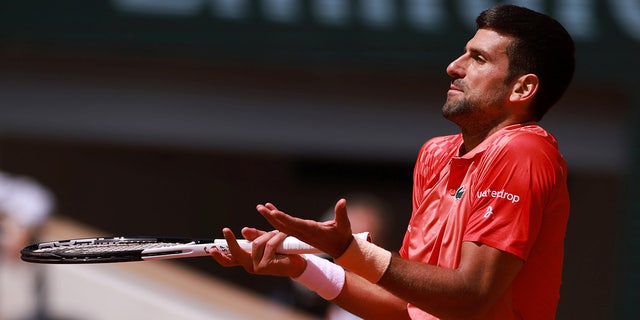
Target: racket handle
290,245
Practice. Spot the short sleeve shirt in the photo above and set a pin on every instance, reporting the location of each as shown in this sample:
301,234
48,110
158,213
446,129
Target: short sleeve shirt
509,193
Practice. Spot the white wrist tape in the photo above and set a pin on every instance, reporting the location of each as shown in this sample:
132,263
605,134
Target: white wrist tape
365,259
322,277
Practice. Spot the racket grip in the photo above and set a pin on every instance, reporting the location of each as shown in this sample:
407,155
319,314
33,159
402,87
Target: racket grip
290,245
293,245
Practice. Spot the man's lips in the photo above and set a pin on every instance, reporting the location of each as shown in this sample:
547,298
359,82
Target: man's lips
453,87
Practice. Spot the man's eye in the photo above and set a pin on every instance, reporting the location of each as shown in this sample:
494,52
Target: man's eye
478,58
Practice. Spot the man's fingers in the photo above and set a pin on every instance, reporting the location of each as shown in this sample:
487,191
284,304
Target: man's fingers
240,255
263,258
341,217
224,259
265,249
257,248
251,233
276,218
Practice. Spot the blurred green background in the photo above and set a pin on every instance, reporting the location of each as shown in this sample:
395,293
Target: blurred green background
159,117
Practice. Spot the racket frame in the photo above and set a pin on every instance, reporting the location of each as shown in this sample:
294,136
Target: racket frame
180,248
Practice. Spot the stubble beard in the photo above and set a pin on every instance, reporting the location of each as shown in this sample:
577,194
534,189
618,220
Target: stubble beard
470,116
452,110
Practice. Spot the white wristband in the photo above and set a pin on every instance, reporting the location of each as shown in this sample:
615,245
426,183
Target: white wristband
322,277
365,259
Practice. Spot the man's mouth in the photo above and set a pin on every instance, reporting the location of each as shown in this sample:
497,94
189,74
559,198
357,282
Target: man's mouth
455,86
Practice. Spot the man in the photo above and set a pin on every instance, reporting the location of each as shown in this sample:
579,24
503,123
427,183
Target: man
490,205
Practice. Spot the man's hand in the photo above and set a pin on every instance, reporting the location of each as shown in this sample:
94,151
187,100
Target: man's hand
332,237
263,258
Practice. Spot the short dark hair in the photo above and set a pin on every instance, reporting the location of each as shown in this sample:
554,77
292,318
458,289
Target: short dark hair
541,46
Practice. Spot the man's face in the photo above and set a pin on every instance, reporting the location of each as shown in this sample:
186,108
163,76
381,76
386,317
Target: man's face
478,91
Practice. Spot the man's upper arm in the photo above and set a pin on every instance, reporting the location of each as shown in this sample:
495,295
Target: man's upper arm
487,270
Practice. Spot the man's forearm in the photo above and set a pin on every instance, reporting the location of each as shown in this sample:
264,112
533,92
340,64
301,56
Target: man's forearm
370,301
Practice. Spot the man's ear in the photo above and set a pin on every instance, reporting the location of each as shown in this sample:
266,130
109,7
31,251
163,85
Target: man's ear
525,88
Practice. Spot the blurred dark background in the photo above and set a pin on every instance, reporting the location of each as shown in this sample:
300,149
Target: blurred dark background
159,117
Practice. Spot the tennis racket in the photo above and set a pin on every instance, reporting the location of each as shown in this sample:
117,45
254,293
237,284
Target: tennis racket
124,249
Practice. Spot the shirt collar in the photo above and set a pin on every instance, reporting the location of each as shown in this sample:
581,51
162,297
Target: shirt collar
482,147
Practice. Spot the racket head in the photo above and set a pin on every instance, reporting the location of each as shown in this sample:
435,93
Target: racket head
97,250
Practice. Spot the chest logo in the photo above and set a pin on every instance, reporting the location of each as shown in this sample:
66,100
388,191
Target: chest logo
459,193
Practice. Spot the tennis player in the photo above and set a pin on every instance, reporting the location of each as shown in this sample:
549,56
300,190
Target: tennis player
490,205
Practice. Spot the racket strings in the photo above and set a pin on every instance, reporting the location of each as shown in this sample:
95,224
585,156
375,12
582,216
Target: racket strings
89,248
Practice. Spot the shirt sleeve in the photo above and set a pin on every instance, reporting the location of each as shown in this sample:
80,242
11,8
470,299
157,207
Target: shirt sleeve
433,156
512,187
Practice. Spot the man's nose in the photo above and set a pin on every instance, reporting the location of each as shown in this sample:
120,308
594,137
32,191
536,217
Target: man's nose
455,68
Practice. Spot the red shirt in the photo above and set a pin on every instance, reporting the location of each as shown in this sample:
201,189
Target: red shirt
509,193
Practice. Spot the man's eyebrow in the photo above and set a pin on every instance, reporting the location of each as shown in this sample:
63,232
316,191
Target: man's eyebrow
477,51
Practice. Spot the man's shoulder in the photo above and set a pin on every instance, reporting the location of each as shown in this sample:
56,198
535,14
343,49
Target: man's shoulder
443,141
438,148
525,145
525,137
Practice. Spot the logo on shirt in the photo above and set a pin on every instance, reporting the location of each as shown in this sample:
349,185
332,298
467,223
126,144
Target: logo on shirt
498,195
459,193
489,212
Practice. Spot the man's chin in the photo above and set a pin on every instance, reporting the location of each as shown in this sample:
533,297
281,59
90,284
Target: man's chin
452,112
450,109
